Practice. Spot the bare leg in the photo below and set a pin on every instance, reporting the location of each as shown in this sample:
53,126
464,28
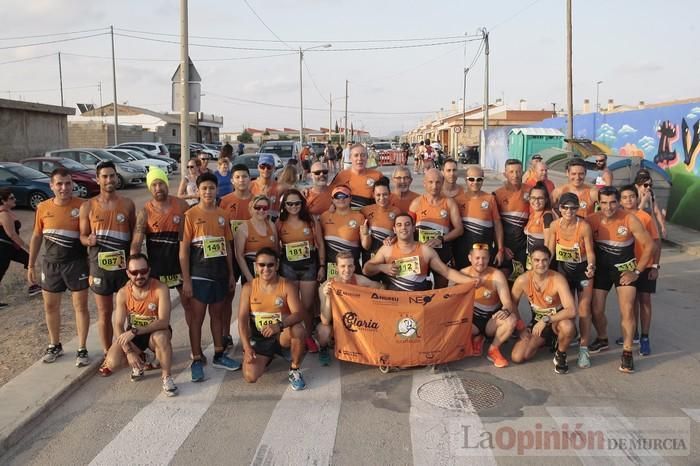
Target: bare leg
82,315
52,312
526,347
252,371
644,300
500,330
600,321
160,341
308,292
625,297
585,298
215,323
105,307
199,310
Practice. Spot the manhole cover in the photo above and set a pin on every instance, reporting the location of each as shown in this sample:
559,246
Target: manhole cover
458,393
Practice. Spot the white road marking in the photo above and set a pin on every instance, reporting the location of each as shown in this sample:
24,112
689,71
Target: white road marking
302,427
693,413
437,435
609,420
166,422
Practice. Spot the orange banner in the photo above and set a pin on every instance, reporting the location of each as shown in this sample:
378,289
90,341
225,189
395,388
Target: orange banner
402,328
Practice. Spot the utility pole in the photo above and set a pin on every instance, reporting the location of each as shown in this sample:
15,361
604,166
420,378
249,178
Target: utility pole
485,34
569,76
114,85
330,118
99,88
464,102
60,76
346,111
185,89
301,97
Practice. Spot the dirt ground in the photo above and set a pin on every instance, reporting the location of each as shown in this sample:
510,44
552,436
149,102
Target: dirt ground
24,334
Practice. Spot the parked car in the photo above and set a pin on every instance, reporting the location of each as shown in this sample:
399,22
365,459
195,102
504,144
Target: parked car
29,186
148,153
382,145
154,148
127,173
285,149
84,178
213,153
141,160
318,148
251,161
175,151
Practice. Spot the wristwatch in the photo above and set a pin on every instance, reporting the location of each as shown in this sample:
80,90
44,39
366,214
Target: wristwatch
547,320
637,272
656,266
281,324
135,330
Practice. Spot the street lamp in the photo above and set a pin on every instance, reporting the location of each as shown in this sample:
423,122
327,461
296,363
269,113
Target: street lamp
301,87
597,107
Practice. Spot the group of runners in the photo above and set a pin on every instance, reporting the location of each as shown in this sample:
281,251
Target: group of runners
550,246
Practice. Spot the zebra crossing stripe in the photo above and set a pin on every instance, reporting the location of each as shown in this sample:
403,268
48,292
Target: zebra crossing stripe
302,427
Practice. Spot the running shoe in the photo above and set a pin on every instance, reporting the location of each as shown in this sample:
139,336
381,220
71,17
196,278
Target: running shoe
324,356
584,358
311,345
81,358
104,371
644,346
3,305
494,355
224,362
34,290
296,380
621,341
150,363
197,370
228,342
136,374
52,353
477,345
627,362
169,386
600,344
560,365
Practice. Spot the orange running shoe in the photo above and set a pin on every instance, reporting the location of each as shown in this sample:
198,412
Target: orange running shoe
494,355
477,345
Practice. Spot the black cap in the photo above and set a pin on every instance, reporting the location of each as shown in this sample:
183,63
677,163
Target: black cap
568,198
536,157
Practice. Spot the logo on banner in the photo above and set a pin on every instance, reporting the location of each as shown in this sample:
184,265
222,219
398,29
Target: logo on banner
388,299
353,323
407,327
425,299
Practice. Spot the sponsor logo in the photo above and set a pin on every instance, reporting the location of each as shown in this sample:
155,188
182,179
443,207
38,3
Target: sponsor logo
75,212
392,215
443,213
526,197
176,219
621,230
121,218
370,182
152,306
353,323
345,293
352,223
583,204
425,299
379,297
407,327
548,299
485,205
307,231
279,302
221,221
487,294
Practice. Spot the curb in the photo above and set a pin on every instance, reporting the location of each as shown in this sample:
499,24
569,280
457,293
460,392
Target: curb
19,414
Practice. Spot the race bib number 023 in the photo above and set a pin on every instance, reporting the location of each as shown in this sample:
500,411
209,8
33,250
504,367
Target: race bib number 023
426,235
628,266
214,247
111,260
572,255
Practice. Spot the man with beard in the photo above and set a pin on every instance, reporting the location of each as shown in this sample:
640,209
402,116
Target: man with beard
402,196
587,194
318,197
106,223
513,201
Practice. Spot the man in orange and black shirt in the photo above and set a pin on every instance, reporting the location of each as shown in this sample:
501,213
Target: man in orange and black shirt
358,178
513,200
402,196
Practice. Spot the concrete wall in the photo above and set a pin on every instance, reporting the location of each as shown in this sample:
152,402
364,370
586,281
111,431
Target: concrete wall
96,134
27,129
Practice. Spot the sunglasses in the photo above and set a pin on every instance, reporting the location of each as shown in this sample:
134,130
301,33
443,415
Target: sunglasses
263,208
569,207
263,265
265,167
472,179
191,166
648,185
480,247
600,161
293,203
320,172
138,272
341,196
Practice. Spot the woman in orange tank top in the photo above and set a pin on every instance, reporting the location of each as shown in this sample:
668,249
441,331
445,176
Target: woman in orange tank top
302,253
253,235
541,217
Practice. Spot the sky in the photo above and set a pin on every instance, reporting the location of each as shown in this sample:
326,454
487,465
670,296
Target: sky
641,51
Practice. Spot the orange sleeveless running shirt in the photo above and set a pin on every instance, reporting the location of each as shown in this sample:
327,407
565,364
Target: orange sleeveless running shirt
144,311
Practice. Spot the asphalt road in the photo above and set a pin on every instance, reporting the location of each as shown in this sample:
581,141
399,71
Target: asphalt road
352,414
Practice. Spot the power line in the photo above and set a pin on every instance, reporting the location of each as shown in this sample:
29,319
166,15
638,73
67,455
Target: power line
264,24
52,41
330,49
339,41
51,35
48,90
513,15
292,107
177,60
27,59
477,55
314,82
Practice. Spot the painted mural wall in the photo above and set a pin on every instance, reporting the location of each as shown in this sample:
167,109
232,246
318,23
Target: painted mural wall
668,136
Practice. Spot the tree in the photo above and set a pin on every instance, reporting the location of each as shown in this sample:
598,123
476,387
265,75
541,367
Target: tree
245,137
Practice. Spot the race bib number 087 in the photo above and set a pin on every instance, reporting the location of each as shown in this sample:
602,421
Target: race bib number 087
111,260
